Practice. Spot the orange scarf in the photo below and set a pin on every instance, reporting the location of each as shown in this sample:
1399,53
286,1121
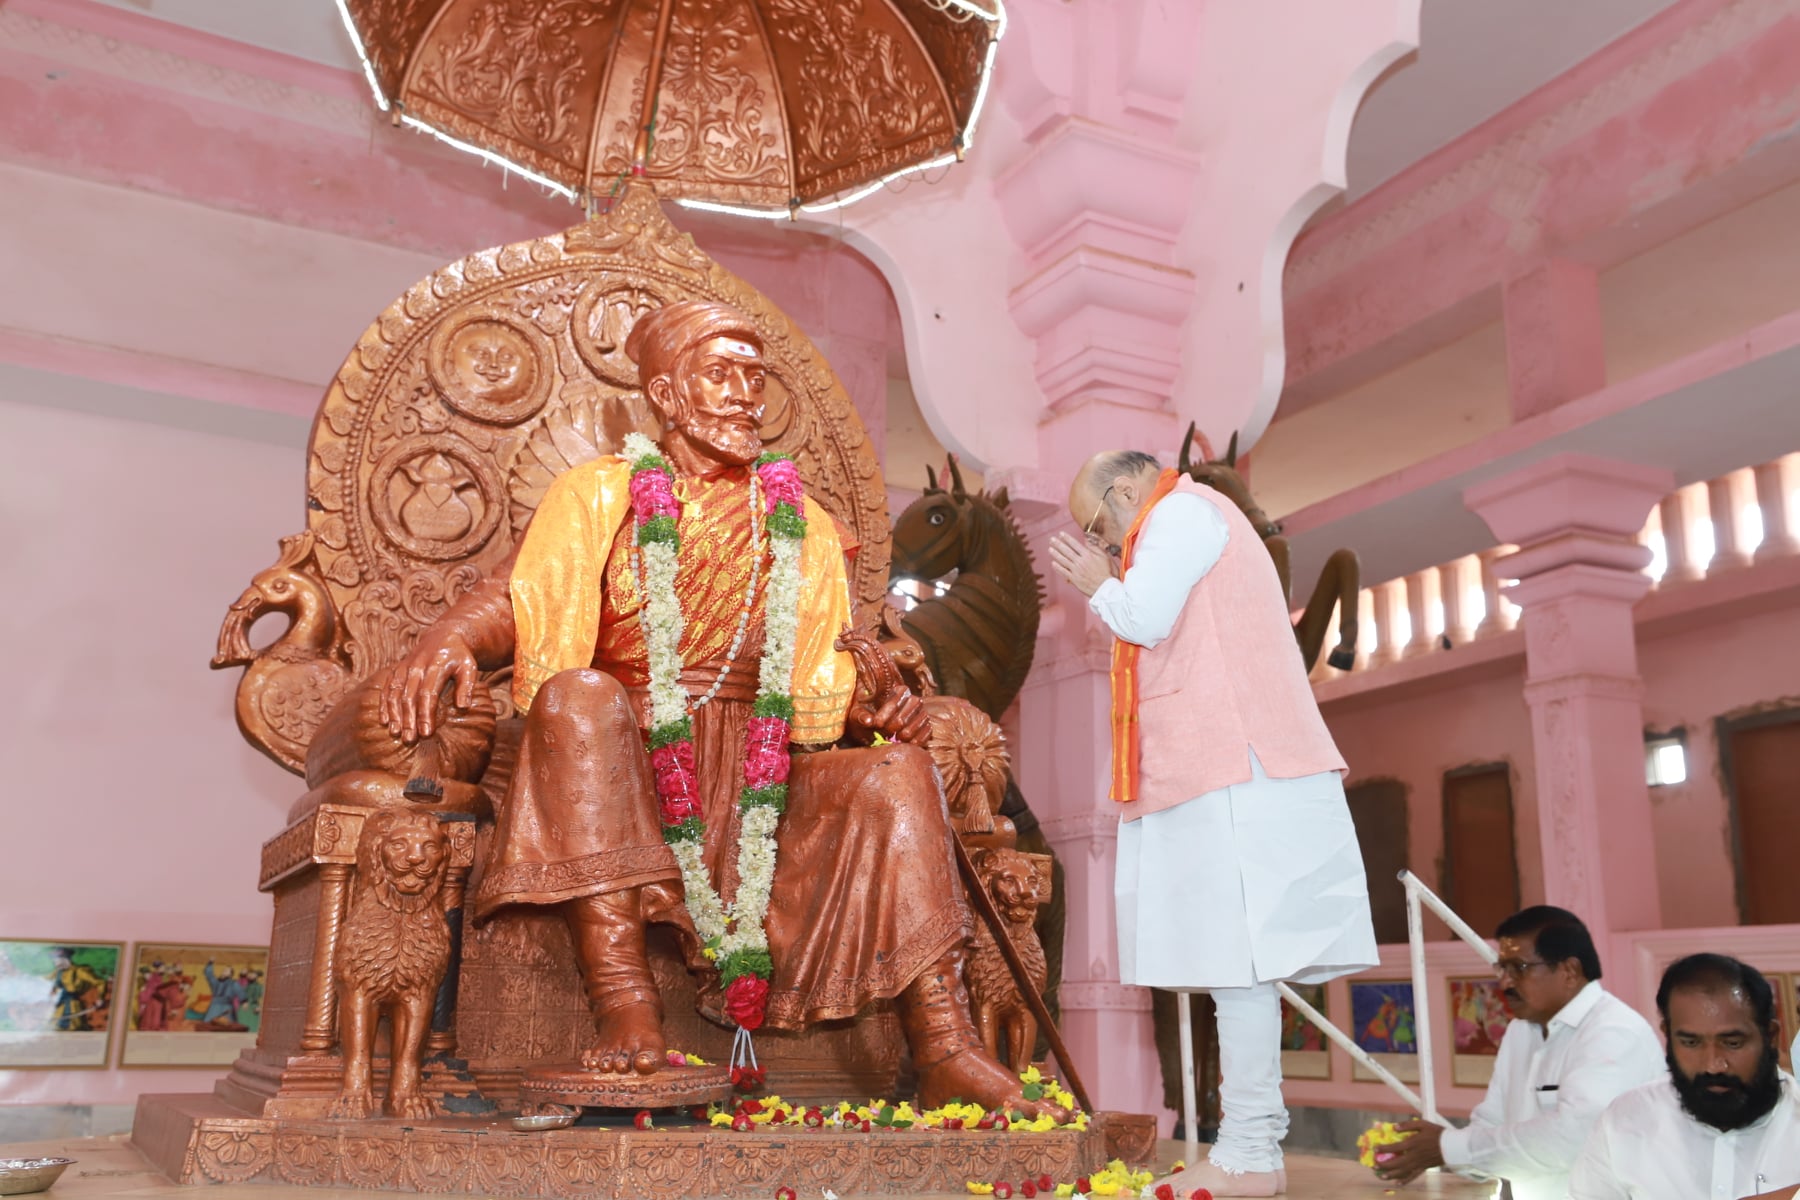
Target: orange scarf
1125,667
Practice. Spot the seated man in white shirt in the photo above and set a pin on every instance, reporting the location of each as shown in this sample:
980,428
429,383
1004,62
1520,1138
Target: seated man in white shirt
1571,1049
1725,1122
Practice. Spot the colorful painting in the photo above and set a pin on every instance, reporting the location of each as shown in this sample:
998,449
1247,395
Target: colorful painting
1478,1020
56,1002
1304,1051
194,1006
1383,1024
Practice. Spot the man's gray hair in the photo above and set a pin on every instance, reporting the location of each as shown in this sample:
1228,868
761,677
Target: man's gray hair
1113,464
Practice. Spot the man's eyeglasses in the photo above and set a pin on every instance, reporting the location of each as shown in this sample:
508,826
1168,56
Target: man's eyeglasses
1517,968
1088,530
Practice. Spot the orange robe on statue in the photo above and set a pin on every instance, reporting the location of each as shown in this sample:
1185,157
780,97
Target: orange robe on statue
866,892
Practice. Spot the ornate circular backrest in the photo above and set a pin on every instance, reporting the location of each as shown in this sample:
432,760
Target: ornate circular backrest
472,392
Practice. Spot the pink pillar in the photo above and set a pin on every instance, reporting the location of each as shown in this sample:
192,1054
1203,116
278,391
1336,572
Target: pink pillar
1555,345
1580,571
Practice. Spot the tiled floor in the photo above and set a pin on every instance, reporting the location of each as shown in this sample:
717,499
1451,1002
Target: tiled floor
109,1167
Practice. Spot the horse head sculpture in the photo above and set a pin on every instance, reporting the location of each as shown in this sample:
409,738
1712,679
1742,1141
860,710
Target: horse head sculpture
1339,581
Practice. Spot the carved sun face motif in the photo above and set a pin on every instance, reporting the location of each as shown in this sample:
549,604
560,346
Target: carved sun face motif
492,361
412,857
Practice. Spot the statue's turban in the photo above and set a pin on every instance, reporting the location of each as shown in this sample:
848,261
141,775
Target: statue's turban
664,334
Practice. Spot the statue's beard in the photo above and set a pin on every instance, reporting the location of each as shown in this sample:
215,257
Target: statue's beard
1740,1104
725,442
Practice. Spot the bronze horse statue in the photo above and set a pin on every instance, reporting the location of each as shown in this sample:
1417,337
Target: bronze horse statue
1339,582
977,638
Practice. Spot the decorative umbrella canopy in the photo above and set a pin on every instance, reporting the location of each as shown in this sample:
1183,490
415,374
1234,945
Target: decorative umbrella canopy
762,106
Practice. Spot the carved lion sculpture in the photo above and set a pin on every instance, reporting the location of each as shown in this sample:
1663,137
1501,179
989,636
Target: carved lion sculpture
971,759
1017,884
392,955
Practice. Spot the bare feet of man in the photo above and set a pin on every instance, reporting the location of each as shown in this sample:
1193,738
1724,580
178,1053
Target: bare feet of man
1221,1183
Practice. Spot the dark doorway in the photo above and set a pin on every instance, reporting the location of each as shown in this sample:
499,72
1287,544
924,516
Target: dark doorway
1378,807
1481,858
1761,757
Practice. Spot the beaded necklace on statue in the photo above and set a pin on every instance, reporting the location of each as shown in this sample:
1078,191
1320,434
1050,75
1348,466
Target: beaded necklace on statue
734,938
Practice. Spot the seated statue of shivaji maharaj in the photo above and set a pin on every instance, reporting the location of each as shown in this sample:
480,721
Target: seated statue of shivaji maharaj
671,618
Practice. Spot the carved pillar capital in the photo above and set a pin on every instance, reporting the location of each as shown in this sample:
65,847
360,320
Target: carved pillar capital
1578,572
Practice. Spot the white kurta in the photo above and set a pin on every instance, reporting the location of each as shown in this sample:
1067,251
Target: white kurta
1646,1147
1549,1088
1254,883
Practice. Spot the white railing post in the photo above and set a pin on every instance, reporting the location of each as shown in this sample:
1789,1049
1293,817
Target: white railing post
1418,898
1415,937
1347,1044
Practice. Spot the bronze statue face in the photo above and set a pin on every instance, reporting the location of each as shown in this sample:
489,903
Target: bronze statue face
714,398
412,854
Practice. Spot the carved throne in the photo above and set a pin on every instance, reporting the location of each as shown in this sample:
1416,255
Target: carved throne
457,408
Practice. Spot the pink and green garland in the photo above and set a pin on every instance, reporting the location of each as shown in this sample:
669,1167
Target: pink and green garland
734,938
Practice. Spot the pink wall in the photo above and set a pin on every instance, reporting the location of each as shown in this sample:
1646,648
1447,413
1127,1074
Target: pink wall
1691,677
1696,667
134,809
1417,738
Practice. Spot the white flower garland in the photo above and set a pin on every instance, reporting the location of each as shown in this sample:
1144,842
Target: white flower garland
734,933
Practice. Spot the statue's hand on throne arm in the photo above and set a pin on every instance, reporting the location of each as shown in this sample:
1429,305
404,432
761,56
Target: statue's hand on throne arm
476,634
901,717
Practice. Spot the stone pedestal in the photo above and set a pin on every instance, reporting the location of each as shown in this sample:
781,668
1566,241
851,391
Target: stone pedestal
199,1140
1579,571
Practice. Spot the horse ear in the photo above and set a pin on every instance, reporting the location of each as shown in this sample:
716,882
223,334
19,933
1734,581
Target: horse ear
1231,452
931,479
1182,462
956,478
1001,498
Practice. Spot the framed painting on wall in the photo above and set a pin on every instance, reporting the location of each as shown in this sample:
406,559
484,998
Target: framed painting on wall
56,1002
1305,1054
1383,1023
1478,1020
194,1006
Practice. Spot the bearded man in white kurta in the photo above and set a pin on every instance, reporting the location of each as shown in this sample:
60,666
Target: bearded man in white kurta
1238,865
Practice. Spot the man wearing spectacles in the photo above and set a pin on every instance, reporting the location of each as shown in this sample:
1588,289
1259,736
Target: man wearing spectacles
1238,865
1571,1049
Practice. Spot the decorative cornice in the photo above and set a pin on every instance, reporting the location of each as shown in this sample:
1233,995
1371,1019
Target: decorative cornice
1583,686
1507,171
332,99
1088,826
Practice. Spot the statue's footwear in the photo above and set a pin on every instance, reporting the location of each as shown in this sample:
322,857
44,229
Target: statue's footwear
608,932
952,1062
1220,1182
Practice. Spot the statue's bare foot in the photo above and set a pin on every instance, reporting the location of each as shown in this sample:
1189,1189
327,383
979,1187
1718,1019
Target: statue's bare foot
353,1105
973,1077
414,1106
627,1039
